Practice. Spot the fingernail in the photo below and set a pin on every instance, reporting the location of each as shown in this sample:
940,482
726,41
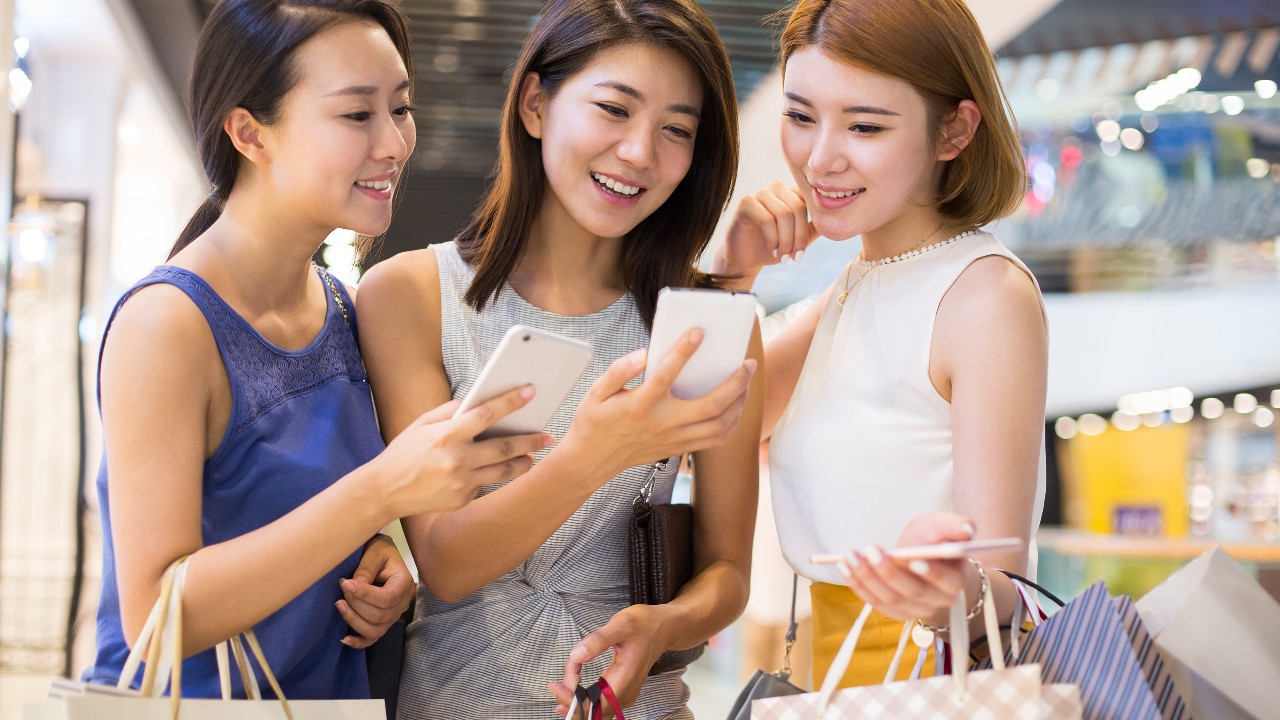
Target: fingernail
751,365
695,336
578,655
845,569
852,559
919,567
637,358
786,259
968,527
799,256
346,641
548,440
526,392
775,252
873,554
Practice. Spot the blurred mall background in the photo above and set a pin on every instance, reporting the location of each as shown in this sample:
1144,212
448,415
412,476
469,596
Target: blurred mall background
1152,134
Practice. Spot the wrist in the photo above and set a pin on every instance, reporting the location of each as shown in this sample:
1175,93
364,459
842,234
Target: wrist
373,496
735,278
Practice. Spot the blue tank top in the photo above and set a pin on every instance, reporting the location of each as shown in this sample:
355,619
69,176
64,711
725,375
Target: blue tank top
300,420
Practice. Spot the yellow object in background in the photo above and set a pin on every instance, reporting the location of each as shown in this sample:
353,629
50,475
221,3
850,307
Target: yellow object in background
1129,482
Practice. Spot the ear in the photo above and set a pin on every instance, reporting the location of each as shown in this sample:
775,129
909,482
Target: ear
246,135
533,102
959,129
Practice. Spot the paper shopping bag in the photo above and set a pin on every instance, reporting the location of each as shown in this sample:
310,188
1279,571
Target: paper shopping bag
1163,690
1218,633
160,642
1085,644
999,694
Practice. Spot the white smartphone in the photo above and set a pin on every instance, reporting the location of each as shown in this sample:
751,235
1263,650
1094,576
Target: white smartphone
726,320
552,363
938,551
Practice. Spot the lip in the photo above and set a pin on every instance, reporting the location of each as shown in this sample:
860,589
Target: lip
831,203
616,200
382,195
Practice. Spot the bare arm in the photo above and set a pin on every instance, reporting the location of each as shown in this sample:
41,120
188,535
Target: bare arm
163,387
785,355
991,348
459,552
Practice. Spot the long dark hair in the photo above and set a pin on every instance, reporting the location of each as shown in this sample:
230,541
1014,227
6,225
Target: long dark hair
663,248
245,59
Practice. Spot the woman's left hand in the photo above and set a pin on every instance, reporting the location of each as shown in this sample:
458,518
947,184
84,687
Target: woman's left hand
906,589
636,646
376,594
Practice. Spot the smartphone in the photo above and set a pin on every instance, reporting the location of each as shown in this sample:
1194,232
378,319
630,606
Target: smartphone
938,551
726,320
552,363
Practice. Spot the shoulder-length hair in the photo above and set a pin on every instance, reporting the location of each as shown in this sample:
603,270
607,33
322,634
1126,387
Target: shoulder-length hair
936,47
663,249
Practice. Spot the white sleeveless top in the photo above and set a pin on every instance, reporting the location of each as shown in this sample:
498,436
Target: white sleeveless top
865,442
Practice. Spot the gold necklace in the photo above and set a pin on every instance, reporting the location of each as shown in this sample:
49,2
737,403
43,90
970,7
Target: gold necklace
873,264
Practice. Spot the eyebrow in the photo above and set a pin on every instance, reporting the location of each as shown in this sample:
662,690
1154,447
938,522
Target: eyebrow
366,89
632,92
852,109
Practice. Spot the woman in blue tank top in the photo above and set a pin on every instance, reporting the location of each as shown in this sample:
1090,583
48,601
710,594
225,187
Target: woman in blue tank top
238,422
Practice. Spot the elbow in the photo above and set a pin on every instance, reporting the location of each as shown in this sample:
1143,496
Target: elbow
444,584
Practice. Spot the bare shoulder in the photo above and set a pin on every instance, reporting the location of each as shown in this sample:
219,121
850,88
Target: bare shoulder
408,280
159,343
992,289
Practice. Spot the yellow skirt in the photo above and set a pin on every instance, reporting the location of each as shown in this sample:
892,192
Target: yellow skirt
835,608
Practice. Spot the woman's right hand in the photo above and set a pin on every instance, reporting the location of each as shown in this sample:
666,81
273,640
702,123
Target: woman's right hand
436,464
623,427
769,227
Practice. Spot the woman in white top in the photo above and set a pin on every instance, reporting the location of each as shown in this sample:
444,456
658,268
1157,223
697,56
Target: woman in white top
907,405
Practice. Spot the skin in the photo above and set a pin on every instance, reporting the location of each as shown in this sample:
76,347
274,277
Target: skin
571,266
163,378
849,129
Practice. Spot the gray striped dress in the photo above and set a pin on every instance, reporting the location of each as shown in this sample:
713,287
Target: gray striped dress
492,654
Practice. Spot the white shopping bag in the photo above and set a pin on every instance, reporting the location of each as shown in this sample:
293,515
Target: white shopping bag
1219,635
1002,693
160,642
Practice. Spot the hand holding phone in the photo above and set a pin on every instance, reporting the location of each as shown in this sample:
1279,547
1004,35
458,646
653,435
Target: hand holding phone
726,320
551,363
937,551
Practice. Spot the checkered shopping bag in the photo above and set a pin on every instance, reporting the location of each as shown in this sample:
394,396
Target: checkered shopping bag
1002,693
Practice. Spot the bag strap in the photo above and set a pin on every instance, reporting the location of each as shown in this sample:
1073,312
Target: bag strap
959,643
647,489
607,691
785,673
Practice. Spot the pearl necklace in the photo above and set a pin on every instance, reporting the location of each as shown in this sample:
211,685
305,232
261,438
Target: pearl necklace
873,264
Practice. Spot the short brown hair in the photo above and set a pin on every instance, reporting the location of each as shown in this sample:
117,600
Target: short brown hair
936,47
664,247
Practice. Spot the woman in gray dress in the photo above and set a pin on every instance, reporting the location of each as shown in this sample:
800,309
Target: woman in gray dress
618,153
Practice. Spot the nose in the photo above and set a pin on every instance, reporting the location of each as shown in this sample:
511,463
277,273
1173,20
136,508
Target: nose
395,138
637,148
827,155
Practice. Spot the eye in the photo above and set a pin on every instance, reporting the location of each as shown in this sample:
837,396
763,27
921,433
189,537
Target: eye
405,110
679,132
613,110
361,116
864,129
797,117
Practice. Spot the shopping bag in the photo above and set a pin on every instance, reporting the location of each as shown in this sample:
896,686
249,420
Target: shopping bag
1218,633
1163,690
160,644
1004,693
765,684
1086,645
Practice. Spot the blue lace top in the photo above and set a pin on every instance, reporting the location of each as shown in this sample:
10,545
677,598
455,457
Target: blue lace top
300,419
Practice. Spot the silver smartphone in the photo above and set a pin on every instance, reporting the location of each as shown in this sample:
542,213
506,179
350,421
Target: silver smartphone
552,363
726,320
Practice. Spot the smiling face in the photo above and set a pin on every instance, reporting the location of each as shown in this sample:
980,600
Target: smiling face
616,139
345,131
859,146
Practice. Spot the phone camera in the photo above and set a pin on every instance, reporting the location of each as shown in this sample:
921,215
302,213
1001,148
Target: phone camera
526,338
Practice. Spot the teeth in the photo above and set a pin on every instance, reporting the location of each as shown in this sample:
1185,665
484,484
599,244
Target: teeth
614,185
837,195
379,185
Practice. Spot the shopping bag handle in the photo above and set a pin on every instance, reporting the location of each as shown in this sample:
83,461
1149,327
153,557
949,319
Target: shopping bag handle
165,621
959,646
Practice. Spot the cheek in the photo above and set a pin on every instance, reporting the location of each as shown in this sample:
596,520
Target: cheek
795,149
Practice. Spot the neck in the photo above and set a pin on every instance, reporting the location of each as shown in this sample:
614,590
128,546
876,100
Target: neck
264,256
564,268
906,233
